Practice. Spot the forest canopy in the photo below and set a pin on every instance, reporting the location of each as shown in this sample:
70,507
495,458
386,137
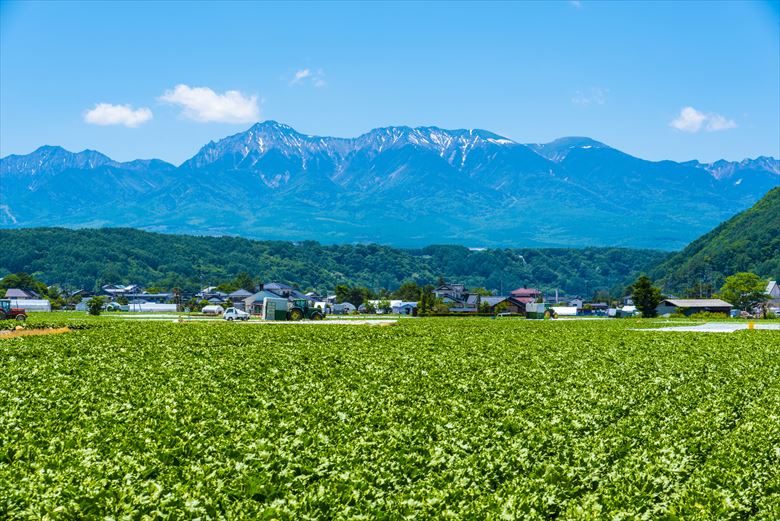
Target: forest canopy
89,258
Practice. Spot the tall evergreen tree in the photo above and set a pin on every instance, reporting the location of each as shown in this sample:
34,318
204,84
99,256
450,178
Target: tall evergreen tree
646,297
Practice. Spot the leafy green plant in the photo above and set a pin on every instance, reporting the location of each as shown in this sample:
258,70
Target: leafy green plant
428,419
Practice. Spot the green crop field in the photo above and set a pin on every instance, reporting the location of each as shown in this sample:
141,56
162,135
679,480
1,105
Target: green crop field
430,418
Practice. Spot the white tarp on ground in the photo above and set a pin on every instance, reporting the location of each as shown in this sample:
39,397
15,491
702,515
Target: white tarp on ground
716,327
31,304
150,307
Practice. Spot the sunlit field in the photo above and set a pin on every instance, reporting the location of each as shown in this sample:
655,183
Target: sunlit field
426,418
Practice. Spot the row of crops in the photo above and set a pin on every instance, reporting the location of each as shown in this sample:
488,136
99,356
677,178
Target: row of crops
431,418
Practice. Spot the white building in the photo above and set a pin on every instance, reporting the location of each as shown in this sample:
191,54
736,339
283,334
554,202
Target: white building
565,311
151,307
773,290
29,304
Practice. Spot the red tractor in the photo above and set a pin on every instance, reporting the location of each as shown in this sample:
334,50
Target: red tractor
9,313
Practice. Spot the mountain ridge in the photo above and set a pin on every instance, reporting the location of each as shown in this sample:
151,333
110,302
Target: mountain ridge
406,186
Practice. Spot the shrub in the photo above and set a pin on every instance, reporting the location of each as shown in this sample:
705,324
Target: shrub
707,315
95,305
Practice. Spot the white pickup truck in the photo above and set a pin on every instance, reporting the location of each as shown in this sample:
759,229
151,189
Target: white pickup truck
235,314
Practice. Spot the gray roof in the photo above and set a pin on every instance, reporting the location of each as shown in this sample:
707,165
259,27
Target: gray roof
16,293
492,301
453,299
297,294
241,293
260,295
276,285
698,303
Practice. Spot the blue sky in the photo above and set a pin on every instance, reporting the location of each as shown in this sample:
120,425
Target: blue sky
137,80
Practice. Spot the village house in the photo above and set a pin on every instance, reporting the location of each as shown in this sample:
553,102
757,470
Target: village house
238,297
526,295
254,303
773,290
455,293
492,302
315,297
151,298
115,291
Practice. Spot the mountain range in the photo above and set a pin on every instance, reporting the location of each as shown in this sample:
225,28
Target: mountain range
395,185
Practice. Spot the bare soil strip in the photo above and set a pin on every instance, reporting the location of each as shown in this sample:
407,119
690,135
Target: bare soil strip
14,333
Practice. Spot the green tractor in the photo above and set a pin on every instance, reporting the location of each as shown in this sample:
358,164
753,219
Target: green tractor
301,308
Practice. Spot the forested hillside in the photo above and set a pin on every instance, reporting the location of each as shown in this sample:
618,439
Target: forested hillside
749,241
87,258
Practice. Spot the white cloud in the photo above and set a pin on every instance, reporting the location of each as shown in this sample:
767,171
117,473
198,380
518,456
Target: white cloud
592,96
717,122
204,105
692,121
108,114
300,75
316,78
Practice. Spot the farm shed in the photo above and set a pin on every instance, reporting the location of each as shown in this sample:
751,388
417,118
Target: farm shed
693,305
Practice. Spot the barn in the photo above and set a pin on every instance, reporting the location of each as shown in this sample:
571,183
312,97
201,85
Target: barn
693,305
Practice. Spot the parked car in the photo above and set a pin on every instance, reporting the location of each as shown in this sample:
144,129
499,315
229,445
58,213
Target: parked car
235,314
